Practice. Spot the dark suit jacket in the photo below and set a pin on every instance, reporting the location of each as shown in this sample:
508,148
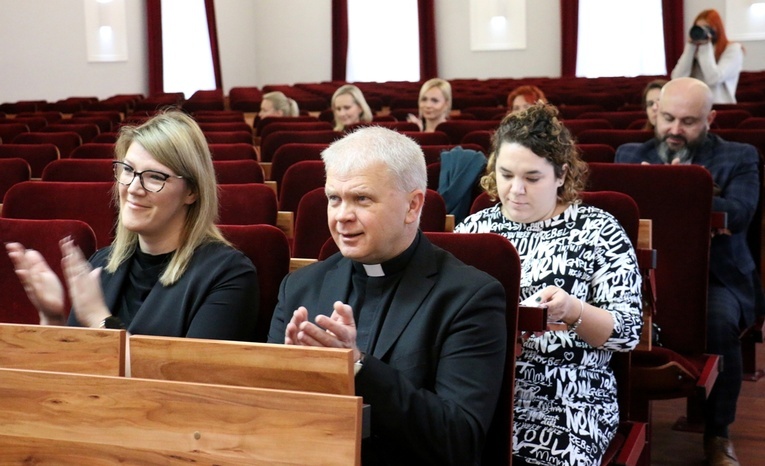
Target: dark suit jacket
216,298
434,376
734,169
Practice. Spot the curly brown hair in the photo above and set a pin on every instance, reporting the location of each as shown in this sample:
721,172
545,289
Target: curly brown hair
540,130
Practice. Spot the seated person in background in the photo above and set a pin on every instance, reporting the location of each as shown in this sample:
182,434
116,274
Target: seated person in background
169,270
276,104
349,106
582,265
651,102
735,292
523,97
427,331
435,104
710,57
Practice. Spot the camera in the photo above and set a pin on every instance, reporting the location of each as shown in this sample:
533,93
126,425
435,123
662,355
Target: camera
702,33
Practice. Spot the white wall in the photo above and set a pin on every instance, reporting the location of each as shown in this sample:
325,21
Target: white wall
540,58
293,41
237,39
261,42
44,52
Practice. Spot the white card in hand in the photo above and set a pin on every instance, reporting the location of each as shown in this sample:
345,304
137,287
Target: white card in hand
532,300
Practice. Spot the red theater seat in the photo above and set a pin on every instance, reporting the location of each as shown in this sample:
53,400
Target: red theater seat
86,201
42,236
36,155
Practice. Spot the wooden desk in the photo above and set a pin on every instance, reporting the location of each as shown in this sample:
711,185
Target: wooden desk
71,414
62,349
74,419
261,365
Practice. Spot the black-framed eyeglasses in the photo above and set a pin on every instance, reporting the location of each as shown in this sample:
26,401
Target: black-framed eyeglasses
151,180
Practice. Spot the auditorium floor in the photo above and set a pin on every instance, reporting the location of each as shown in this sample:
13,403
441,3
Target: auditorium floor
672,448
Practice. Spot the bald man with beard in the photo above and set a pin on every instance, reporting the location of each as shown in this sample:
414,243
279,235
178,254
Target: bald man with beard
735,291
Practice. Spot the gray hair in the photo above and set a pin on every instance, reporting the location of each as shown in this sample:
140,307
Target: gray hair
372,145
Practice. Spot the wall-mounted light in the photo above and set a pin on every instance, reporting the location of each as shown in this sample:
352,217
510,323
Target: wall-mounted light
106,30
497,24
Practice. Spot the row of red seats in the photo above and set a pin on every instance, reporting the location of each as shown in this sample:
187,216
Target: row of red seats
693,200
609,92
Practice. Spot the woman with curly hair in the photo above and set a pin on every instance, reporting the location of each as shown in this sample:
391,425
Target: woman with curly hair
577,261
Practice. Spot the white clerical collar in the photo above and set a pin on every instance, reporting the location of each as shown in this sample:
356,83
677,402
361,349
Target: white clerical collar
374,270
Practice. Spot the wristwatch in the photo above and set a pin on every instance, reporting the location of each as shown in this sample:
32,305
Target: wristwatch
112,322
358,364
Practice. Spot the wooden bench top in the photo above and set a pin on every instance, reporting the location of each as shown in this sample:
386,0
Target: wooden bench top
75,419
63,349
322,370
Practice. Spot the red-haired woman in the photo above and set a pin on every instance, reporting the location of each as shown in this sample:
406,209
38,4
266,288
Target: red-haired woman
710,57
523,97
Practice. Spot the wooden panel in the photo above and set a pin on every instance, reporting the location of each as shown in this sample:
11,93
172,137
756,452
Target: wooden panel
266,167
62,349
645,234
285,221
85,419
322,370
300,262
449,224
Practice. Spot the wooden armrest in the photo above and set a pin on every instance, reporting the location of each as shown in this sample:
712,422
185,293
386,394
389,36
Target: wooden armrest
266,166
633,444
300,262
285,220
645,233
273,185
709,374
719,220
448,224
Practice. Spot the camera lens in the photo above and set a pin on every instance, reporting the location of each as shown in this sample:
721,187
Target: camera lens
698,33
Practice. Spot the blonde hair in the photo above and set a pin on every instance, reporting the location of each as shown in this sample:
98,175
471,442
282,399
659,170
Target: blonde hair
175,140
358,98
282,103
444,86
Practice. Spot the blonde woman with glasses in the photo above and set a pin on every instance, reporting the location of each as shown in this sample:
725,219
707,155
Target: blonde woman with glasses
169,270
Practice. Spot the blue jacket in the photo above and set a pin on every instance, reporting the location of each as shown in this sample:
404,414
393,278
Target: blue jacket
735,171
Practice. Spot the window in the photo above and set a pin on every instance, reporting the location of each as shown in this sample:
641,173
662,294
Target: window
622,38
383,40
188,65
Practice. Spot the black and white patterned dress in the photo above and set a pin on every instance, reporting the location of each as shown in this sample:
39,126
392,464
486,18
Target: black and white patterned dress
566,412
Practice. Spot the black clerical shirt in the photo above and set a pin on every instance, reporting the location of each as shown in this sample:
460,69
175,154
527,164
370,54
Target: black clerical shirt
373,287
